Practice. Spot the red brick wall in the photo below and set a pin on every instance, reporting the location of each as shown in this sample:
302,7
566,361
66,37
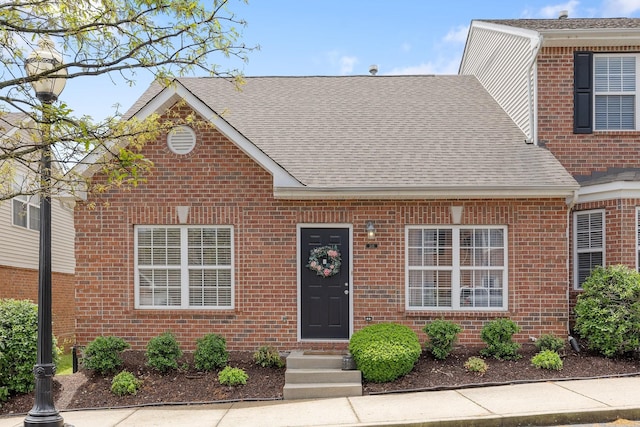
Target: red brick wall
20,283
579,153
223,186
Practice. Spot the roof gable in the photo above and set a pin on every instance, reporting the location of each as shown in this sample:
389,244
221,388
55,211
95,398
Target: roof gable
372,136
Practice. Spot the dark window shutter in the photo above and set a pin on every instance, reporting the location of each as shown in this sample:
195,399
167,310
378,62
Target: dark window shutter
582,92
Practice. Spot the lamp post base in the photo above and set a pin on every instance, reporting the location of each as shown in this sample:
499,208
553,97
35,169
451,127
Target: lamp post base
44,413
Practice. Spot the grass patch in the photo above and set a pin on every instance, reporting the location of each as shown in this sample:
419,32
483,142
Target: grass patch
65,364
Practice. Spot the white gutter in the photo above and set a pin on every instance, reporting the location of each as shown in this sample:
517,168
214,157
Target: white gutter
531,93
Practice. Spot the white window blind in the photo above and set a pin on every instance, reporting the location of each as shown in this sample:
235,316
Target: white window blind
615,92
588,244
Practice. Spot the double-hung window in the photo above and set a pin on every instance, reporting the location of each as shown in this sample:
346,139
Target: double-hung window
456,268
26,212
605,91
588,244
184,267
615,92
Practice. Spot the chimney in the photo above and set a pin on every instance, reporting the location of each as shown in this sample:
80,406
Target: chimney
373,69
564,14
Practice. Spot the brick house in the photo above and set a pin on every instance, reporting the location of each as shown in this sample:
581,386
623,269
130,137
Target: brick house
19,228
437,206
570,85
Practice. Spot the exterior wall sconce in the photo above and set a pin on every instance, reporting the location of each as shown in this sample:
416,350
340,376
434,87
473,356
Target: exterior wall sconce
371,230
456,214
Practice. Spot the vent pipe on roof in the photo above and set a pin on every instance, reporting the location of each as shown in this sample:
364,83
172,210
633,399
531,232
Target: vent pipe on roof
373,69
564,14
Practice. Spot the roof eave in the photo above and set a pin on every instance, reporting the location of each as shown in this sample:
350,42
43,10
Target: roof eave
593,36
445,192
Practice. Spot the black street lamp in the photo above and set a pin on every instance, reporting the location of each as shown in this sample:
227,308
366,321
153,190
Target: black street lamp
47,90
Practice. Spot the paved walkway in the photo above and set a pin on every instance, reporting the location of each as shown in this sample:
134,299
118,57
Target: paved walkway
547,404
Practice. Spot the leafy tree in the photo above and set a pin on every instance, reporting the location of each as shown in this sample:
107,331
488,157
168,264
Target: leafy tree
169,38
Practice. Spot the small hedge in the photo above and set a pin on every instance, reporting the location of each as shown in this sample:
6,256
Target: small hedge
608,310
442,336
385,351
163,352
103,354
211,352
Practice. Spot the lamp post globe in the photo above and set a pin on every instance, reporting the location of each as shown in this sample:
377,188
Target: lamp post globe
47,88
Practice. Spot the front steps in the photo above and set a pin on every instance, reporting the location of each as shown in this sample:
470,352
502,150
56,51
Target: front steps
313,375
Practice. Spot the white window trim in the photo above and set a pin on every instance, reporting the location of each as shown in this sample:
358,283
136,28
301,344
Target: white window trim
184,269
27,200
455,268
576,285
636,94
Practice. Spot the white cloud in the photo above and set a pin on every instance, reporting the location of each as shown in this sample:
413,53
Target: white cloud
347,63
618,8
441,66
457,34
552,11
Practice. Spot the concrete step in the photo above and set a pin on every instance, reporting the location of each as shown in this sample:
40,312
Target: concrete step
319,376
301,360
316,391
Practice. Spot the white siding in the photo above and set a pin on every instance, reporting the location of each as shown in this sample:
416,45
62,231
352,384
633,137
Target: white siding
19,246
501,60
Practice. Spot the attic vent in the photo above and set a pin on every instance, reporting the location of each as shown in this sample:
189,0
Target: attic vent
181,140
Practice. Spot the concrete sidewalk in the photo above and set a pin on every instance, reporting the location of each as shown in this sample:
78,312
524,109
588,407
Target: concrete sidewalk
548,403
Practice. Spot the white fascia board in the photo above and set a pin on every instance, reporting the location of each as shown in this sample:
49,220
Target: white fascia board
176,91
592,37
388,193
516,31
609,191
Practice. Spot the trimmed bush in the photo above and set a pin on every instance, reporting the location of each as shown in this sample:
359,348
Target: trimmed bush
268,357
547,359
497,334
549,342
232,376
125,383
163,352
608,310
211,353
103,354
18,346
442,335
385,351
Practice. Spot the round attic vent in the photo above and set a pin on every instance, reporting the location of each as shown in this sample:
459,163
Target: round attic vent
181,140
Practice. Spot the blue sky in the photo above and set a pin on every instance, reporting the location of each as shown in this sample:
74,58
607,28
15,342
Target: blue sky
344,37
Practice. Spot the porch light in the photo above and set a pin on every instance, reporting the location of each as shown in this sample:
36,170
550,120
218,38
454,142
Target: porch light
371,230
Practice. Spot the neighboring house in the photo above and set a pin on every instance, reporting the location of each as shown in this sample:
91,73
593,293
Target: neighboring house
571,85
436,205
19,244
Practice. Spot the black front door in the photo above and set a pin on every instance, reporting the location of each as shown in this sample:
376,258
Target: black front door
324,300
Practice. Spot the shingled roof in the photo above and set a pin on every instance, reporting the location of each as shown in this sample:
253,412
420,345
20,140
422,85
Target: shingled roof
568,24
384,132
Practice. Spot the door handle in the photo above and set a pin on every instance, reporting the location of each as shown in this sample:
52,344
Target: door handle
346,291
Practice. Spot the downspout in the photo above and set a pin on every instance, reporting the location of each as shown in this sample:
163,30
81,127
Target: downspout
531,94
571,202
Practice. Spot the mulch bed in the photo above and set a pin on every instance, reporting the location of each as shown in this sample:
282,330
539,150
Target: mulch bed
190,386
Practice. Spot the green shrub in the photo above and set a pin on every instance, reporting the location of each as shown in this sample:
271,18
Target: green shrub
163,352
268,357
103,354
232,376
125,383
211,353
385,351
608,310
497,334
549,342
547,359
476,364
18,346
442,335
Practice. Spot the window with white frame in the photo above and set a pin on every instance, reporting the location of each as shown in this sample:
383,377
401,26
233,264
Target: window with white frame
456,268
615,82
184,266
588,244
26,211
